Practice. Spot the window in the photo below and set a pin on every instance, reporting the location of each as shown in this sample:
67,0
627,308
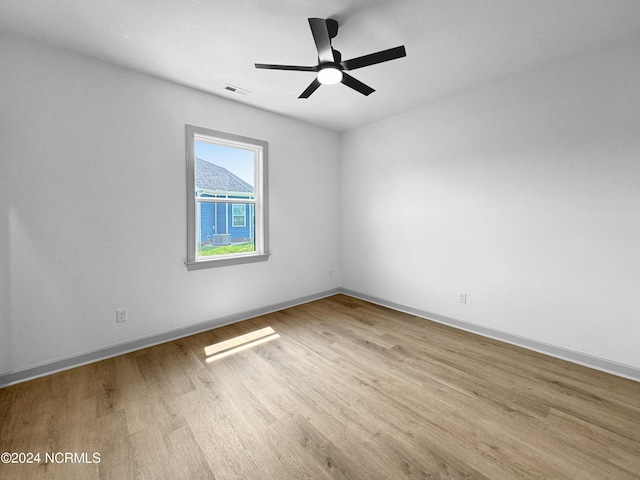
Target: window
226,181
239,215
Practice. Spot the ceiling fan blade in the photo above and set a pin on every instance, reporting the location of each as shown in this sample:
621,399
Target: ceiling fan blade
285,67
332,27
373,58
357,85
320,32
310,89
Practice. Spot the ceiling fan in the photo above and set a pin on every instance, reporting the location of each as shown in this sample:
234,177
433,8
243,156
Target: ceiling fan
331,68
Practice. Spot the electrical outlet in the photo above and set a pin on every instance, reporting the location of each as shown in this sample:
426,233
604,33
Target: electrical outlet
462,297
330,273
121,315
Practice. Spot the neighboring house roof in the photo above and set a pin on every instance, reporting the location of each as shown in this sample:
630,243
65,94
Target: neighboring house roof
215,178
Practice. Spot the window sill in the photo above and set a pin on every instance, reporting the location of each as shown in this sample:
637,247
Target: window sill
223,262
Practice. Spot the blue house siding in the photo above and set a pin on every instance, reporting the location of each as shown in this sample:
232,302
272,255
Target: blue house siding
217,218
206,222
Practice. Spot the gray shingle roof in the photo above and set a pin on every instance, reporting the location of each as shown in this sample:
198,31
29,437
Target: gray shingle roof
213,177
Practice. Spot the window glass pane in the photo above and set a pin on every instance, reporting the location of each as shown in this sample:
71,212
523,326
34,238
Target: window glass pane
221,232
224,170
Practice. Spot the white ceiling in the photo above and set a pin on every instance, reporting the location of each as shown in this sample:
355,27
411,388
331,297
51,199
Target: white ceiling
453,46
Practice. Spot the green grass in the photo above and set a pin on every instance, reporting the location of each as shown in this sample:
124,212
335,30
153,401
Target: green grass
205,251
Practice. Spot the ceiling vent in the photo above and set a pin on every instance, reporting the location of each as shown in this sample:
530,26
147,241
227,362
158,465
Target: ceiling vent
234,89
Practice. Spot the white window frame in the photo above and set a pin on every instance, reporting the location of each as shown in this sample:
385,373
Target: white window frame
260,200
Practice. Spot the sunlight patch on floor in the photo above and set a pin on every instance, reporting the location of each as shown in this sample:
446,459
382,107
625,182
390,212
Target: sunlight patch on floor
237,344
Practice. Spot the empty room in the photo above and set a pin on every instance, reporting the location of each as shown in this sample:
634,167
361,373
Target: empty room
349,239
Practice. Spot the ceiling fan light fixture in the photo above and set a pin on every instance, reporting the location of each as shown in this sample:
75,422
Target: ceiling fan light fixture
329,75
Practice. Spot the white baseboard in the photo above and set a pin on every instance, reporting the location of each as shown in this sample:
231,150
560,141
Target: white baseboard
597,363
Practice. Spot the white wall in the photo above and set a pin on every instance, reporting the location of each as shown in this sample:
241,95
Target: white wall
525,194
93,207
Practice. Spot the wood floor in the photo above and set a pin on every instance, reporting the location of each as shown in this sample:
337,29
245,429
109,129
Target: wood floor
342,389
